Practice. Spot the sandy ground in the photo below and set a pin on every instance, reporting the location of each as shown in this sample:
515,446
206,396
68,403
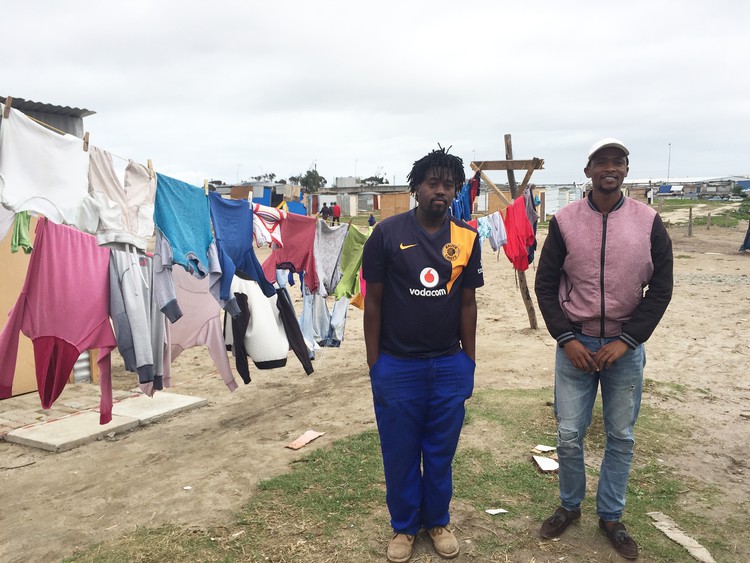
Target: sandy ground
55,503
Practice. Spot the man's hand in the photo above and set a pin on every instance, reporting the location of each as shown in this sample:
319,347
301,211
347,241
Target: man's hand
610,353
580,356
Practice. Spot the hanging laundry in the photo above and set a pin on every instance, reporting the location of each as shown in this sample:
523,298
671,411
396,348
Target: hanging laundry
306,321
520,235
329,241
199,326
61,318
126,212
474,184
358,300
182,215
338,322
498,236
21,238
532,216
292,329
298,232
44,172
267,225
284,278
327,328
184,237
257,331
136,316
462,203
350,263
484,229
233,228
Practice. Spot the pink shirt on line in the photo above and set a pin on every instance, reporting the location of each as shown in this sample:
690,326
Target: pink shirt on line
64,309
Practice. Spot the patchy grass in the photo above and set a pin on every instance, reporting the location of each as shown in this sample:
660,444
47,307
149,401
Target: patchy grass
722,215
331,506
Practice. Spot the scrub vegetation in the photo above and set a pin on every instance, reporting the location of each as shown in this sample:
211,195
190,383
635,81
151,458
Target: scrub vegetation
331,505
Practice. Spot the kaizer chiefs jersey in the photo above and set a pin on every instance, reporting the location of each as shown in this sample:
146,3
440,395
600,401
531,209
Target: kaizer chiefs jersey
422,276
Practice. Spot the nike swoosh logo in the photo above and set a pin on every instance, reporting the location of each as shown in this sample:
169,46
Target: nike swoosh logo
403,246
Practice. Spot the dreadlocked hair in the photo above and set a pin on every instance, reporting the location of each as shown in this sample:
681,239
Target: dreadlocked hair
441,163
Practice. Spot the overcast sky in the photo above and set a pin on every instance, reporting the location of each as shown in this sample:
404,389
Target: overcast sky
231,90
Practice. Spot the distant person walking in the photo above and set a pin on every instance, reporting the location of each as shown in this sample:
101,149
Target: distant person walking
600,254
371,220
325,212
336,210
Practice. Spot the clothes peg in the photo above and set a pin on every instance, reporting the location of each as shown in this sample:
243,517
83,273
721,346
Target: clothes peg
86,141
150,169
205,186
8,103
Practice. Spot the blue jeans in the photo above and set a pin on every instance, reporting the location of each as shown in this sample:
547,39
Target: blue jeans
419,408
575,393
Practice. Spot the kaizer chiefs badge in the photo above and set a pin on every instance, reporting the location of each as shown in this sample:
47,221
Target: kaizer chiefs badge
451,251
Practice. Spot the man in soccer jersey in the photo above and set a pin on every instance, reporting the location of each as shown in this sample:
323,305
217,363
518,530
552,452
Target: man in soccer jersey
422,268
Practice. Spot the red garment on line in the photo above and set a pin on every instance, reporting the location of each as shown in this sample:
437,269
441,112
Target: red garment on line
298,233
520,235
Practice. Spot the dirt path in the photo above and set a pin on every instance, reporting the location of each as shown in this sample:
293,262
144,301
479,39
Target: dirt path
72,499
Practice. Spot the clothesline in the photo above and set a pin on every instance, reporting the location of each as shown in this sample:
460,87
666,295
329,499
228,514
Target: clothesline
47,125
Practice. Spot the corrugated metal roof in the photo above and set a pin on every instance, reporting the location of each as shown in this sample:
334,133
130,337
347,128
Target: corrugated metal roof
21,104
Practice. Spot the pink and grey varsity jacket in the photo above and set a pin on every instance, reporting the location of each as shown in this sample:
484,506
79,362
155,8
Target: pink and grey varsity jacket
594,269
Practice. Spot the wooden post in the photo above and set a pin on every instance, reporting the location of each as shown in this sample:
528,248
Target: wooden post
511,174
690,222
522,283
708,221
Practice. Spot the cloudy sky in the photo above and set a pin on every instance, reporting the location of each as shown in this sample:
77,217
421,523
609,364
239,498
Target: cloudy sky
234,89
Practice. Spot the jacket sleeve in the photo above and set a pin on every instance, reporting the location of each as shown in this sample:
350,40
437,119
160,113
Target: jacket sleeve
292,329
164,290
547,285
239,327
651,309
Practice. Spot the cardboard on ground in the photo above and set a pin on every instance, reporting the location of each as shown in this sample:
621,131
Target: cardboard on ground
306,438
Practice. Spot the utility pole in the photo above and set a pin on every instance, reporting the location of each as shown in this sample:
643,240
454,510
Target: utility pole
669,161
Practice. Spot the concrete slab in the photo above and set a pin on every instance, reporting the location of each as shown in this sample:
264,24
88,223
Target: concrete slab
69,432
148,409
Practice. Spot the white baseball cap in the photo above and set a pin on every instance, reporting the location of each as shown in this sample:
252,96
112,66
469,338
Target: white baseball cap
606,143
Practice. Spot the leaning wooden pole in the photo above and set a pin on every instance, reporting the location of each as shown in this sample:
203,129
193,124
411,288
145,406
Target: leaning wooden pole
522,283
511,175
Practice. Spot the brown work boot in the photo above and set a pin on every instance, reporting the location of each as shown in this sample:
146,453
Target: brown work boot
620,539
446,544
556,524
399,548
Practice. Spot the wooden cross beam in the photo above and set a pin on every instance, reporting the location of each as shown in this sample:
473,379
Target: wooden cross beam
508,165
534,163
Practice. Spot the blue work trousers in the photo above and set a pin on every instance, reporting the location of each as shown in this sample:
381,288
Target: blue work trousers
419,408
575,393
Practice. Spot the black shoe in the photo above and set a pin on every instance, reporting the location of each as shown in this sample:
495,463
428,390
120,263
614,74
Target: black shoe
556,524
620,539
